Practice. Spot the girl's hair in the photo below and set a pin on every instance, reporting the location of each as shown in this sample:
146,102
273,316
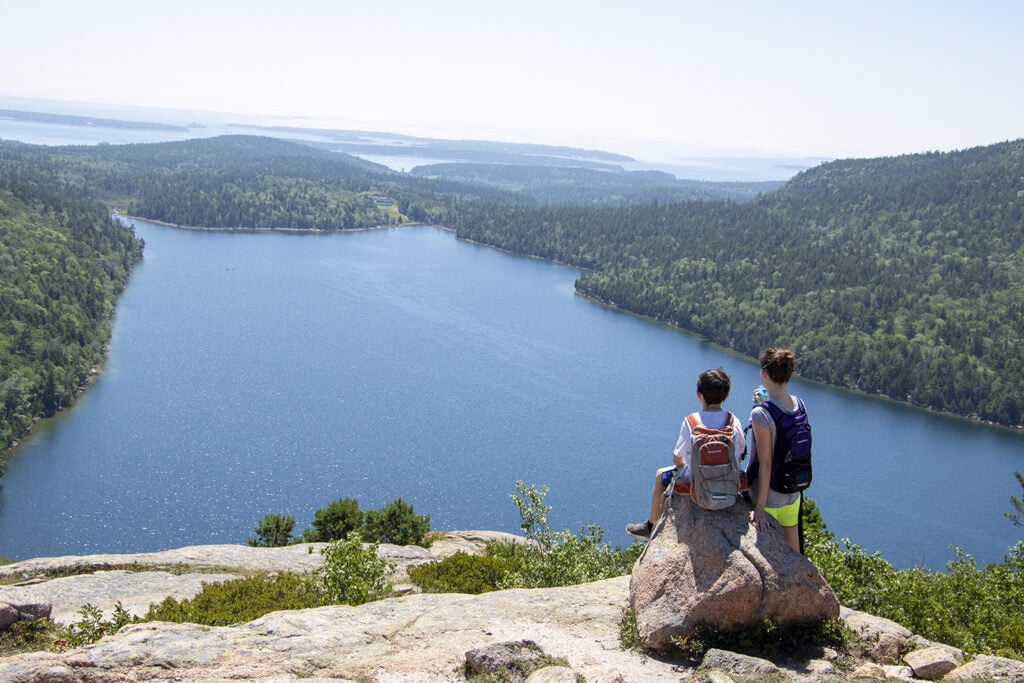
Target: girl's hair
714,386
778,363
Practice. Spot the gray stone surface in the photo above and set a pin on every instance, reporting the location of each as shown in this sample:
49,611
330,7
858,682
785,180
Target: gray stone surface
989,669
417,637
411,639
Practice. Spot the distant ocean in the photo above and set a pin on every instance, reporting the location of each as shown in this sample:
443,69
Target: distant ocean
686,164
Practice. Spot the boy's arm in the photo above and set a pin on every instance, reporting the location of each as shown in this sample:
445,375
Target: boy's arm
682,444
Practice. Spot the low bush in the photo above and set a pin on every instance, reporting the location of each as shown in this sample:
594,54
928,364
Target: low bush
767,639
273,531
563,559
397,522
461,573
239,600
353,573
28,636
979,610
558,558
335,522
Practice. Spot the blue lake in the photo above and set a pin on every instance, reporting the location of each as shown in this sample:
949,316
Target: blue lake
275,373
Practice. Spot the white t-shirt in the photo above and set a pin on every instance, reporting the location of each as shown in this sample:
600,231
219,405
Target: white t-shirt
715,419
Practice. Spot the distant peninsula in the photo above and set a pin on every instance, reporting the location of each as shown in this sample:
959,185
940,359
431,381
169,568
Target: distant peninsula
69,120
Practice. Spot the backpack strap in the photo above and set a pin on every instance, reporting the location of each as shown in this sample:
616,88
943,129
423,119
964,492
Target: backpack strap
773,410
693,419
778,413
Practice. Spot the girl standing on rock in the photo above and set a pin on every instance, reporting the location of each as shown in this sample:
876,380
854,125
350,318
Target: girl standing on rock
776,370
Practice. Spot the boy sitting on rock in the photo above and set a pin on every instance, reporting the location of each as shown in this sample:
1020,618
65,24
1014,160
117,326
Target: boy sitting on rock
712,390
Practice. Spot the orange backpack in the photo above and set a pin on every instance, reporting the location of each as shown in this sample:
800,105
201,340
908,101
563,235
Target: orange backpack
715,476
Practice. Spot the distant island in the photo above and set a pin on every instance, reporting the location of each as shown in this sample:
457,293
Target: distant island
69,120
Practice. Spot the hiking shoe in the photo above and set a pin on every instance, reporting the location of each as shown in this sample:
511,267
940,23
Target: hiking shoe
640,530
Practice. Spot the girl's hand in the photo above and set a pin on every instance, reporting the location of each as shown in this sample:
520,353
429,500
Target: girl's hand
760,520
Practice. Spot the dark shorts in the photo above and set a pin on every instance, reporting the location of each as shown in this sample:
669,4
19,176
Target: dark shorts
666,477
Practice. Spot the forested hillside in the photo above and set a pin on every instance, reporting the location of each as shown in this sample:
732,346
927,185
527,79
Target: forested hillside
900,276
245,182
590,187
63,262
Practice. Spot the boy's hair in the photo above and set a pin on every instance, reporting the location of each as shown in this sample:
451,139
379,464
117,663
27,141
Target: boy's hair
778,363
714,386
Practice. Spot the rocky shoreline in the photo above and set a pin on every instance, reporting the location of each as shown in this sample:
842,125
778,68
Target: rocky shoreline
412,637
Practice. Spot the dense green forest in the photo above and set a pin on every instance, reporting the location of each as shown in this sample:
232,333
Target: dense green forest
244,182
588,187
901,276
63,262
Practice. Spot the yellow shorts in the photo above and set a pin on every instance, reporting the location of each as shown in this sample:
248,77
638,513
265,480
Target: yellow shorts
787,515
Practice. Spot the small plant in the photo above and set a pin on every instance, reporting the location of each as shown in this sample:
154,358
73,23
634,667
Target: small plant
1017,517
91,627
629,634
533,513
353,574
397,522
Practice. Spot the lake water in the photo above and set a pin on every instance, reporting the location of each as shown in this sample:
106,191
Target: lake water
275,373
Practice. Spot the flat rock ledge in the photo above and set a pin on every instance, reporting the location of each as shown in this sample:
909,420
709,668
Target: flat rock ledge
571,633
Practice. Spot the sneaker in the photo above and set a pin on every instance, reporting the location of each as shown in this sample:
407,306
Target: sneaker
640,530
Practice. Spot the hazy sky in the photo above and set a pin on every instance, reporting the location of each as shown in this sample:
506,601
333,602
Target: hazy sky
815,78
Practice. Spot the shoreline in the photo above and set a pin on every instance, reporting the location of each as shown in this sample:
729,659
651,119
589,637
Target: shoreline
299,231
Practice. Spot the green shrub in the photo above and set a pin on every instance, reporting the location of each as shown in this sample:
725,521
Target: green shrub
352,573
335,522
766,639
565,559
461,573
239,600
273,531
396,523
976,610
556,558
28,636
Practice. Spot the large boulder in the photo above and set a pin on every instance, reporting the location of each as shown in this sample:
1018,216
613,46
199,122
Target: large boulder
715,568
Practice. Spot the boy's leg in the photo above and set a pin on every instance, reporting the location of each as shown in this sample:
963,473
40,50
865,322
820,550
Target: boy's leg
642,530
658,494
